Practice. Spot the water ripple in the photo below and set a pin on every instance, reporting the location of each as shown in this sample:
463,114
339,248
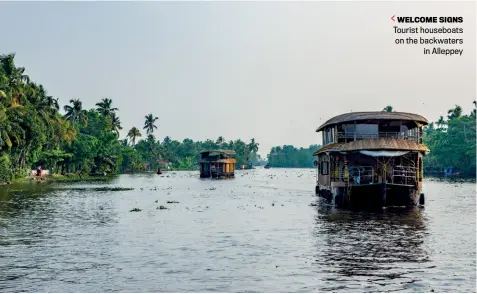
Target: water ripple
256,233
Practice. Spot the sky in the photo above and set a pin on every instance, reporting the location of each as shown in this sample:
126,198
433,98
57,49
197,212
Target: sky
273,71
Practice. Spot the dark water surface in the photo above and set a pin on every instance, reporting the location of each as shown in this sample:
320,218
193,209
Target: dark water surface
256,233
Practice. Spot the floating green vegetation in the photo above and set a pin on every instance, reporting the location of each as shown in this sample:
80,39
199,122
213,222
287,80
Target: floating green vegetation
101,189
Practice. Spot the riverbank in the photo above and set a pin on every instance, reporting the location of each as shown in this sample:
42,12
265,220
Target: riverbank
60,178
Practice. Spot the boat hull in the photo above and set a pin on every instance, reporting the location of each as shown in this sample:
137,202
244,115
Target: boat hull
217,175
372,195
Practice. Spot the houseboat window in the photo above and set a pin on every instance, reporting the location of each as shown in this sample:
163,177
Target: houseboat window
412,134
325,167
329,134
347,132
349,128
367,131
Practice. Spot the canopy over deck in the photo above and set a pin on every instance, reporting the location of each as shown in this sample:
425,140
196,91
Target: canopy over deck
374,115
226,153
384,144
383,153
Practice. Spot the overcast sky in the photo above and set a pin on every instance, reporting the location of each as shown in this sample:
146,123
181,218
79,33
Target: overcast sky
269,71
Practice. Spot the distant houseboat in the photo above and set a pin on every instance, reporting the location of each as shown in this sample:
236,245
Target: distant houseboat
217,164
247,166
371,158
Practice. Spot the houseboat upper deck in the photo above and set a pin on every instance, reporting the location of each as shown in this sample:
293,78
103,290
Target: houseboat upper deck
217,164
371,158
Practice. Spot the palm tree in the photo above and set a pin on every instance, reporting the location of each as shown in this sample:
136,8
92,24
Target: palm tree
167,140
454,113
10,129
151,143
253,146
220,141
4,129
388,108
441,122
75,113
133,134
104,107
15,78
3,84
149,125
52,103
250,148
124,142
115,123
16,74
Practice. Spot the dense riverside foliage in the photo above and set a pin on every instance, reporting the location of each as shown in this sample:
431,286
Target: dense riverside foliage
150,153
451,140
34,132
289,156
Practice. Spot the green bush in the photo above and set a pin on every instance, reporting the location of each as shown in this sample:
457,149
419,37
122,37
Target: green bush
5,168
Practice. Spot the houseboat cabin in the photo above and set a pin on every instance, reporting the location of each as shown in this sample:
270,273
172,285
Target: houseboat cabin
371,158
217,164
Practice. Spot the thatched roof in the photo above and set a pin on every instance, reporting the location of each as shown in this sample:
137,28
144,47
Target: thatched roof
228,152
375,144
374,115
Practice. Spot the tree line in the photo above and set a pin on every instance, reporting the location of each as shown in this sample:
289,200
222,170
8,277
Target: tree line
290,156
451,140
84,141
149,153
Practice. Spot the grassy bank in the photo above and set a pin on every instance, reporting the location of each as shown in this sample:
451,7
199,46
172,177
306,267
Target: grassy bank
62,178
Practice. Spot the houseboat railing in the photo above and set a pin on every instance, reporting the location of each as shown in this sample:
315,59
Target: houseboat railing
390,135
404,175
361,174
358,175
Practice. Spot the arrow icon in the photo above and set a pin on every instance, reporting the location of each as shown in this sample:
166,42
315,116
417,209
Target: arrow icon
393,18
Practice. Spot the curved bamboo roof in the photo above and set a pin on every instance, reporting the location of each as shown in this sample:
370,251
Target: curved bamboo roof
370,115
231,152
375,144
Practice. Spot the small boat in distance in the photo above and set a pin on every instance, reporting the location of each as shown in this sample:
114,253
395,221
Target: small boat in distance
217,164
371,159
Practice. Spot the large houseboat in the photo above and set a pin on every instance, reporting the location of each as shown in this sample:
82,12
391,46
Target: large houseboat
371,158
217,164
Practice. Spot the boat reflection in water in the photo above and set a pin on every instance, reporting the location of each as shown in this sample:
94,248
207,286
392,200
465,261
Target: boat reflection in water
381,251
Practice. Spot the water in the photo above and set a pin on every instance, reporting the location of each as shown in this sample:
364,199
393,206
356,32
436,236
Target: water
255,233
